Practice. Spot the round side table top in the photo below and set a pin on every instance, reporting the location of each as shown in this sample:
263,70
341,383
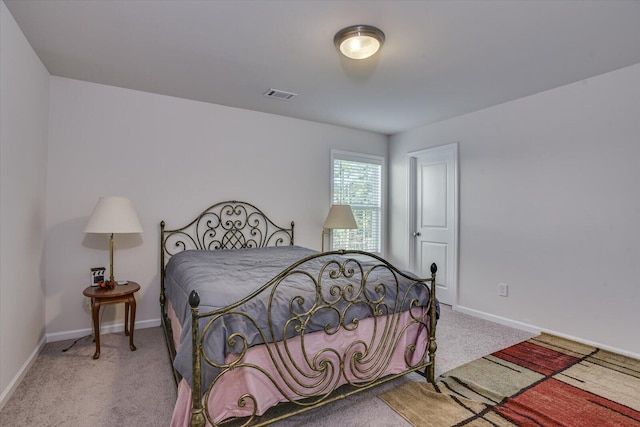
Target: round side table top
116,291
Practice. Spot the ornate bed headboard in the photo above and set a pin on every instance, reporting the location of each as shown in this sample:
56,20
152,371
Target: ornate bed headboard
225,225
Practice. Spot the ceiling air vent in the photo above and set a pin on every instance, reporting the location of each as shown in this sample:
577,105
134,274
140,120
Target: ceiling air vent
279,94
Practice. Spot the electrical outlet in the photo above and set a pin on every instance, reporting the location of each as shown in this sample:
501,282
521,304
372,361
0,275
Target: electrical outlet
503,289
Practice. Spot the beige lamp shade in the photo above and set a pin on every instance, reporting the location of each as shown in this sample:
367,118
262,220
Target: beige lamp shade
113,214
340,217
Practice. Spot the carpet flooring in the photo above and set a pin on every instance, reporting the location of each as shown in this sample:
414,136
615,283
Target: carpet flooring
544,381
125,388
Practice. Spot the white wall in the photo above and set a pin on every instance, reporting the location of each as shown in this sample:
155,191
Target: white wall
173,158
24,102
549,204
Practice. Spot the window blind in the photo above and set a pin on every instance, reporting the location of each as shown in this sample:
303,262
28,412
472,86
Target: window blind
359,183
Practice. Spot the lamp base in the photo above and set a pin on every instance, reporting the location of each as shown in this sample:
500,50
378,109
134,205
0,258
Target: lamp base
325,232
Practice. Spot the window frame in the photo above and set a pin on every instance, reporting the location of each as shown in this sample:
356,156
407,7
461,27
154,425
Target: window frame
363,158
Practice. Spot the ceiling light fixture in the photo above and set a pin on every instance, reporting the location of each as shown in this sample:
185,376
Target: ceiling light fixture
359,41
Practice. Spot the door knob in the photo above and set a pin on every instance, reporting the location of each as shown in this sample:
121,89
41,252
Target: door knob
416,233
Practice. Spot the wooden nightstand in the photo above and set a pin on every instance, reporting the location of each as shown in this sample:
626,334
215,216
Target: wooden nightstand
120,293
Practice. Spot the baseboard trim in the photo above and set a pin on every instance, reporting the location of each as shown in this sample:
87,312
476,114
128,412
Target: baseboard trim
15,382
497,319
104,329
593,344
537,330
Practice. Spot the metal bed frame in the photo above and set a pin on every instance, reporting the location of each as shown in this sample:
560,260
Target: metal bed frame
236,225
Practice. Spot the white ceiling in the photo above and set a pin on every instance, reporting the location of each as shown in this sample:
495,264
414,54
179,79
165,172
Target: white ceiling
441,59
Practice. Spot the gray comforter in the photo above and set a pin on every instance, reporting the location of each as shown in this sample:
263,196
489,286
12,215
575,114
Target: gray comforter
224,277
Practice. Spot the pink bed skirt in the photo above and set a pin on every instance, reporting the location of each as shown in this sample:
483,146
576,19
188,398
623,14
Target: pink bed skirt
223,400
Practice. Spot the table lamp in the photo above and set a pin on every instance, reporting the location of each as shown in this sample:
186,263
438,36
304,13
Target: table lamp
113,215
340,217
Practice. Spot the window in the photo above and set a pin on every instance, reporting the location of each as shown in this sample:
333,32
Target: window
356,180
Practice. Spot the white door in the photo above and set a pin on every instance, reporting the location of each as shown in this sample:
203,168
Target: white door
434,217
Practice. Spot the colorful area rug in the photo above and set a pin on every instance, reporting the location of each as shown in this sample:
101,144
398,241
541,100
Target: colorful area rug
545,381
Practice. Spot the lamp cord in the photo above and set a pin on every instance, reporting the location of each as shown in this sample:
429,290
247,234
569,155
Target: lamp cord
74,343
64,350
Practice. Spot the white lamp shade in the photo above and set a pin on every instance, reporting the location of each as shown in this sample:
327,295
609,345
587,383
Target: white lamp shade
340,217
113,215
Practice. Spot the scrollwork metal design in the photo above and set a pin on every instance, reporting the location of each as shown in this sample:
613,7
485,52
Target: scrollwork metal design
227,225
308,378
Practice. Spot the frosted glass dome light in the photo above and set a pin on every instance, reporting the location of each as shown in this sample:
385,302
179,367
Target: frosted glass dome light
359,41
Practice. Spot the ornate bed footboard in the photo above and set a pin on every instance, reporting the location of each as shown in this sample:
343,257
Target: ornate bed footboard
346,284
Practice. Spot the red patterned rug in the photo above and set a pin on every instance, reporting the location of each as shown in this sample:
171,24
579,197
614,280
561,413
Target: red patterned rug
545,381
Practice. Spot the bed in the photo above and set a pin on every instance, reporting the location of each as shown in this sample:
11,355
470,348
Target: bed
256,325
